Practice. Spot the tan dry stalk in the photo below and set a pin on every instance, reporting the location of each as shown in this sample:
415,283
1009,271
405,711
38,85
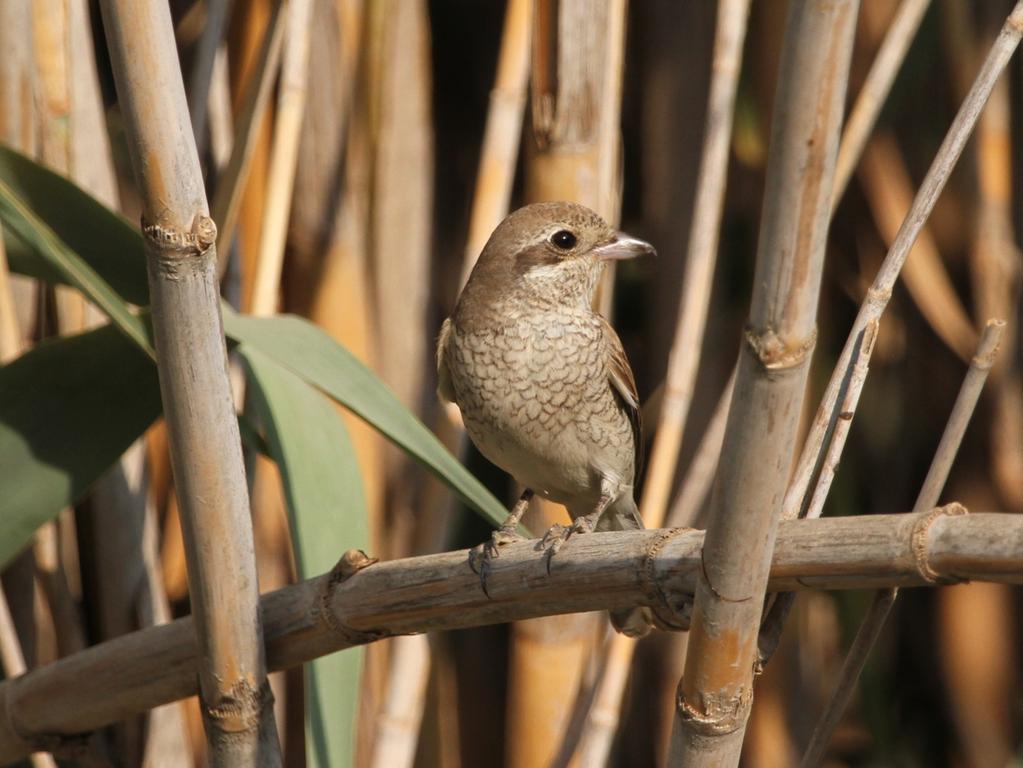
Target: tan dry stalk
251,117
280,181
828,412
684,358
126,594
502,134
572,91
397,728
246,39
875,90
201,76
699,478
205,445
716,691
355,604
976,641
930,492
13,661
997,268
402,212
889,191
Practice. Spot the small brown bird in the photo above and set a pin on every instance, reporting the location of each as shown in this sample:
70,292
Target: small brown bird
542,381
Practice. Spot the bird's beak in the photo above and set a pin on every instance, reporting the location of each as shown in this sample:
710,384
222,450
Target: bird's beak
624,247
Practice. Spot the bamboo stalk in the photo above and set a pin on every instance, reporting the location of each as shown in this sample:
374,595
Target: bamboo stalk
438,592
13,661
201,76
205,444
684,357
503,131
930,492
251,117
575,116
699,478
397,728
283,157
872,95
880,292
715,694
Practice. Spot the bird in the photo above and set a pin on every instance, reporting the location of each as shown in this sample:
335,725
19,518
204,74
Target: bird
541,379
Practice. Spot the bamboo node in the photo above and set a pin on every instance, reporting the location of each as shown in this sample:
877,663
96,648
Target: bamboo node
921,531
178,252
674,612
720,715
240,709
776,353
351,562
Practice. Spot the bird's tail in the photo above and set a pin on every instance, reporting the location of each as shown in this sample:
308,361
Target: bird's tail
623,515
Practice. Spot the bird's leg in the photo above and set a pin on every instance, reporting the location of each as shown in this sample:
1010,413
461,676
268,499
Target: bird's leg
481,555
558,534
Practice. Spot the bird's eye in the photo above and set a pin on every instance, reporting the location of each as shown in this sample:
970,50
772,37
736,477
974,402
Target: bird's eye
563,239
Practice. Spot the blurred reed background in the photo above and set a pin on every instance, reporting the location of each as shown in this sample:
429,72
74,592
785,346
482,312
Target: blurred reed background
357,153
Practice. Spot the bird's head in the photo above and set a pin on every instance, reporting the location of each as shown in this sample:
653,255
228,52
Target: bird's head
554,251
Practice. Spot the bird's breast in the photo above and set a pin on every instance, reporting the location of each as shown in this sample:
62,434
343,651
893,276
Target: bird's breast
536,400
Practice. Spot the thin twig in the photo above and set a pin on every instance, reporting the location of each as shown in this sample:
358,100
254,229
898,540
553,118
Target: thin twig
930,491
217,12
354,605
875,90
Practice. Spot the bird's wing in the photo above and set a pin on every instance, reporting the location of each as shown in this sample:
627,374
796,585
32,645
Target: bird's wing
444,388
624,384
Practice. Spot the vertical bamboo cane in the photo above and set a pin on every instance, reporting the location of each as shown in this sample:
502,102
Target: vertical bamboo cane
716,693
205,444
571,53
683,362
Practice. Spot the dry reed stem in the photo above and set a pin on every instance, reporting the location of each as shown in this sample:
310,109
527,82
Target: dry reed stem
231,183
205,445
889,192
930,491
876,86
401,215
684,357
13,661
699,478
573,88
715,694
354,604
397,727
201,76
291,100
976,641
502,134
814,448
996,267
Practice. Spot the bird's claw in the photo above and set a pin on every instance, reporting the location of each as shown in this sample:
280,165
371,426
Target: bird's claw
481,555
558,534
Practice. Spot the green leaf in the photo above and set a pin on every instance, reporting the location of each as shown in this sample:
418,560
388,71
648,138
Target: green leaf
317,359
323,488
68,409
105,240
23,222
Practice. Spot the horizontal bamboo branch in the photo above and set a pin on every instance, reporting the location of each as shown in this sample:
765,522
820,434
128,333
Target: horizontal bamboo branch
356,604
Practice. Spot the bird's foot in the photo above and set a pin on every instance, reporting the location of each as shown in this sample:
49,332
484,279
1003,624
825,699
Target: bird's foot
558,534
481,555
